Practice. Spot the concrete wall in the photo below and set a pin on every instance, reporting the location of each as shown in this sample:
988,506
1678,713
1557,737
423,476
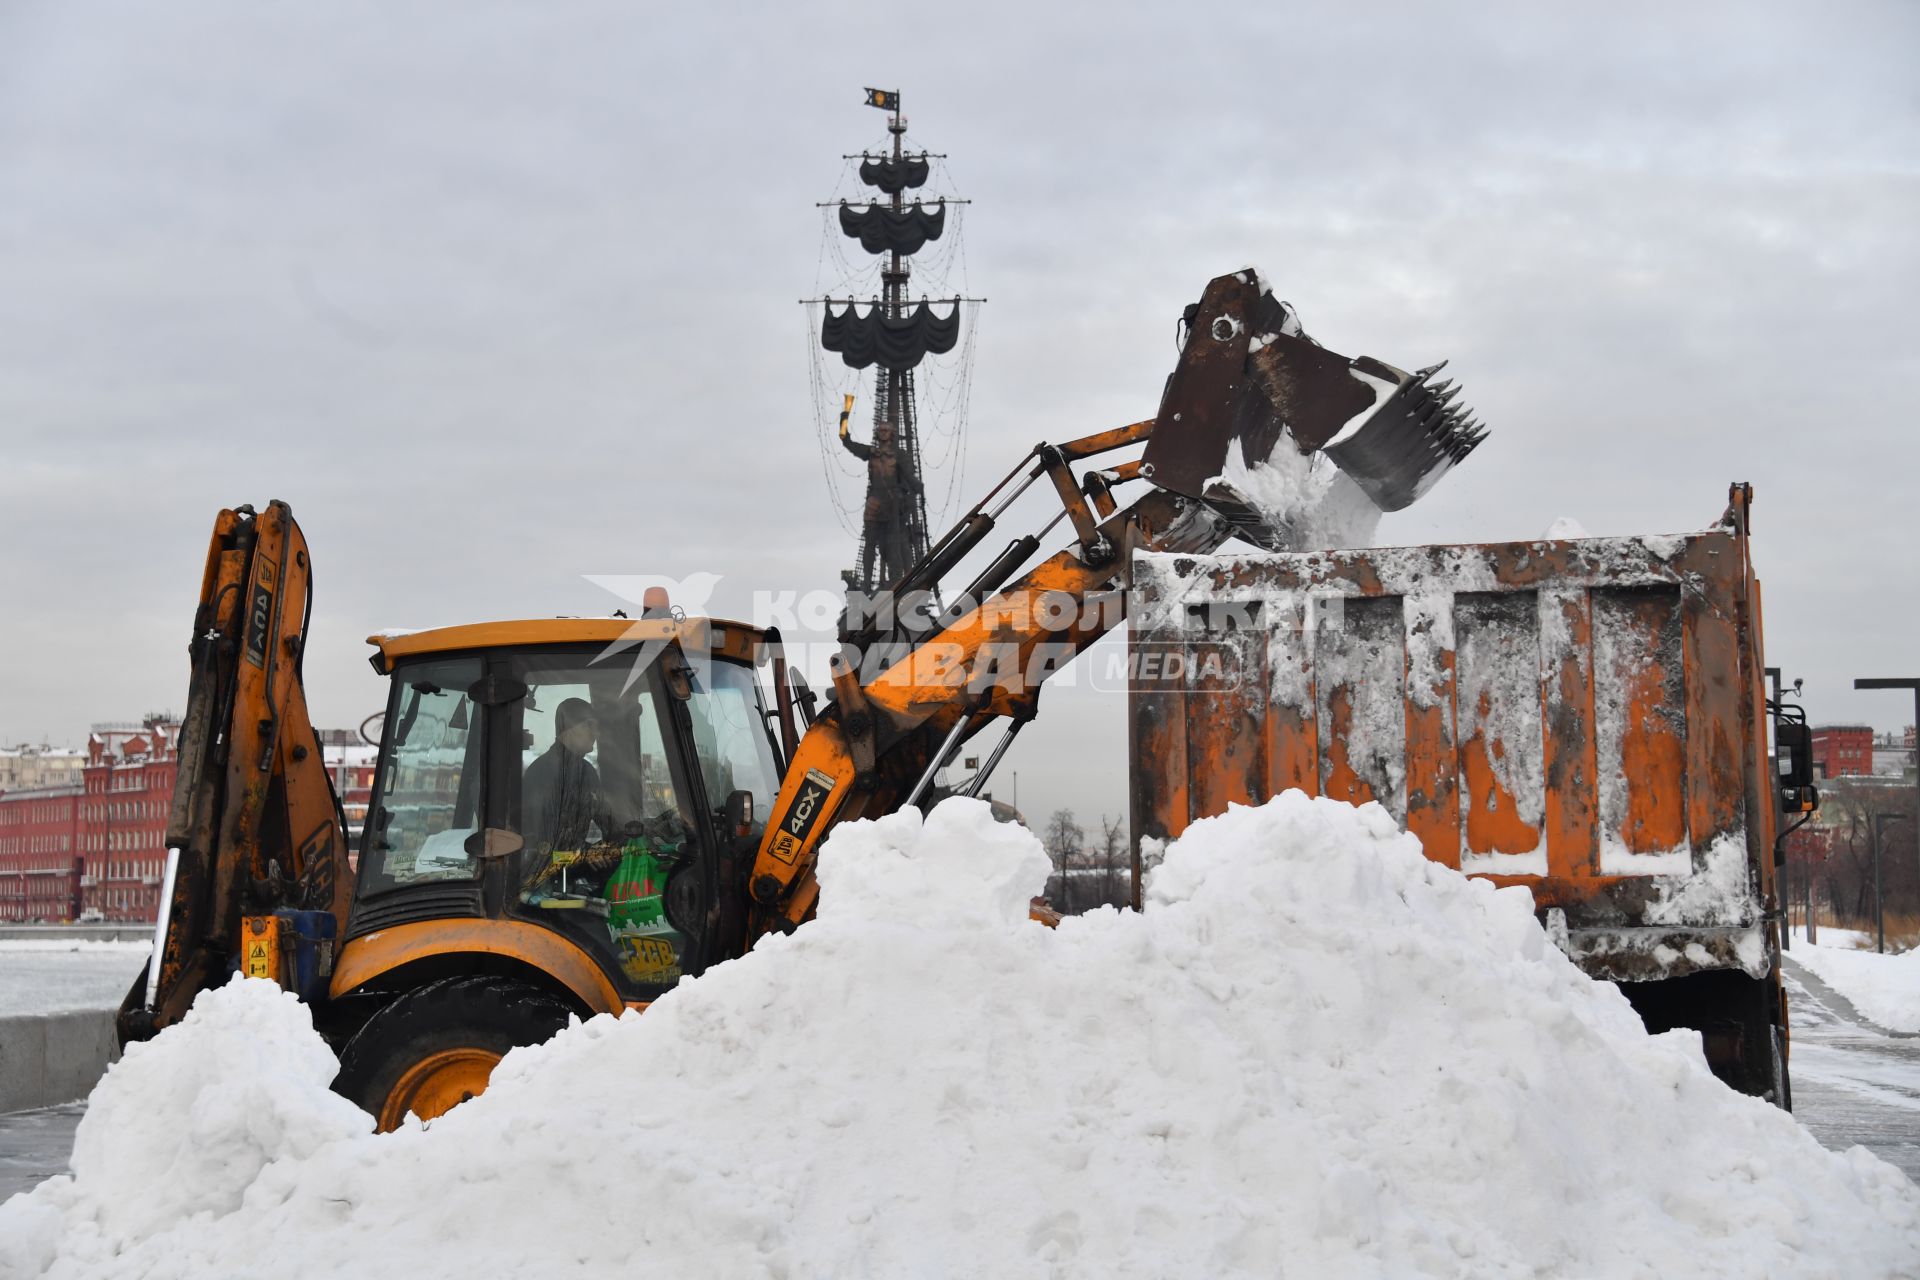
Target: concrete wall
50,1058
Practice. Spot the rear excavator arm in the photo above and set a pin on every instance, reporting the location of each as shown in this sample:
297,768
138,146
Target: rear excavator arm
1247,379
257,848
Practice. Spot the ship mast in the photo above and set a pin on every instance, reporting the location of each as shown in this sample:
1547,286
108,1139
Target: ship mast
897,405
896,335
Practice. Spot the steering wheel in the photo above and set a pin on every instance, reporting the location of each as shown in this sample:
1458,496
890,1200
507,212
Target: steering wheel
667,827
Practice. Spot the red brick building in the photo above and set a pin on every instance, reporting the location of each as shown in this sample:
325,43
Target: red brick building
123,817
39,854
1842,750
1812,841
350,762
101,846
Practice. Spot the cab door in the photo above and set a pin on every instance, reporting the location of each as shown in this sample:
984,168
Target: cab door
618,854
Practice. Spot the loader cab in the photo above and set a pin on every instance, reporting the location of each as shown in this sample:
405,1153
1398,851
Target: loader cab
599,783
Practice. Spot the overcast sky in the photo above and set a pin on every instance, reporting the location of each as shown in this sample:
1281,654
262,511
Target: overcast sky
498,296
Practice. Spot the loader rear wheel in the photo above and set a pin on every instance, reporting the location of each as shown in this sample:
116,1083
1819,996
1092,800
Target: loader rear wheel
436,1046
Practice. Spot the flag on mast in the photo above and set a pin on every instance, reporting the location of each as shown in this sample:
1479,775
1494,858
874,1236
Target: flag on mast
885,99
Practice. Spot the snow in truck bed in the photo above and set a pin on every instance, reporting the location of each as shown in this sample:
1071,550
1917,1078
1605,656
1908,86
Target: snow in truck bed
1315,1054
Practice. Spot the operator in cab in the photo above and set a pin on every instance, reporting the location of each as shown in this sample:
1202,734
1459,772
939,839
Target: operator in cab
560,798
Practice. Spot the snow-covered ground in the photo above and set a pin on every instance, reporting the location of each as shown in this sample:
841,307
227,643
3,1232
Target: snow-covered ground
55,975
1884,988
1315,1053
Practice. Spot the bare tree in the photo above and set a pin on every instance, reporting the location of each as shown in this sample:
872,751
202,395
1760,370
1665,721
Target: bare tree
1116,867
1087,874
1065,842
1859,814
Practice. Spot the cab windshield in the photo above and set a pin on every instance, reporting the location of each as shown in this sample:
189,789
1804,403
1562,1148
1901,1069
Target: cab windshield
429,801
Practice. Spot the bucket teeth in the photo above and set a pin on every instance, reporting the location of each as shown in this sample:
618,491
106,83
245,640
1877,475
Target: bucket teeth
1415,435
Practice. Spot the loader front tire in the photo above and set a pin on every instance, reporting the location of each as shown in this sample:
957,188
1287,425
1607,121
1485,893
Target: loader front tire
436,1046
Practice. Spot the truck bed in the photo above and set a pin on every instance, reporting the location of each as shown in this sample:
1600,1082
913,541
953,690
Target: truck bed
1584,717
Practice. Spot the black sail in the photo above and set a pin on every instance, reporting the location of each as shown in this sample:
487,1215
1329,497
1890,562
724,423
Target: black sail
893,176
883,230
892,343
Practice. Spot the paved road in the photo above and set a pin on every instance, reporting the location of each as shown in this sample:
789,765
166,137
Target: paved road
34,1145
1852,1083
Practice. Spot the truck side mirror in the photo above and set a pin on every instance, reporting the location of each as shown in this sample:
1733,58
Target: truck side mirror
1793,748
1793,744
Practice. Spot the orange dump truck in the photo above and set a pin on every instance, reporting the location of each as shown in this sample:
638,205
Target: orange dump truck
1583,717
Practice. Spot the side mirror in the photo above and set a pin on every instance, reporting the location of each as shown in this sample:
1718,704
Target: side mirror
497,689
1793,744
679,676
494,842
804,698
738,814
1793,748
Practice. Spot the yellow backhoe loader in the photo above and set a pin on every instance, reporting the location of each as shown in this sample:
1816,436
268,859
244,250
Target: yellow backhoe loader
568,815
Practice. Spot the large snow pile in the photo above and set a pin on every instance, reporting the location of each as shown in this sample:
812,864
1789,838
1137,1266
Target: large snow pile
1885,989
182,1128
1315,1053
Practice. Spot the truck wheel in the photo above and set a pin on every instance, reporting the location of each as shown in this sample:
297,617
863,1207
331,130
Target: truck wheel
436,1046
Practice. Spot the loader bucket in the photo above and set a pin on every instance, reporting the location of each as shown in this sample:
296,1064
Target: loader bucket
1249,375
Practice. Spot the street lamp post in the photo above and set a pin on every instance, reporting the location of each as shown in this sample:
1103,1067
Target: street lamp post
1911,683
1879,908
1879,840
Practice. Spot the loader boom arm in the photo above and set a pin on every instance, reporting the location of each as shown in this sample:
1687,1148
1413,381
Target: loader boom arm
870,751
254,825
1248,381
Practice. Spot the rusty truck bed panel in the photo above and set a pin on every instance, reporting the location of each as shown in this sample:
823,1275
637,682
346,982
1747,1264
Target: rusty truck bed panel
1583,717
